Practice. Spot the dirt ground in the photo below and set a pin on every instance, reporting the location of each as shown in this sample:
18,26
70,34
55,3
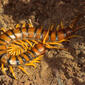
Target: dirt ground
58,67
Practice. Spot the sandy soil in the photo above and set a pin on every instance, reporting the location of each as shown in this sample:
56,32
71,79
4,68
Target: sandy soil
58,67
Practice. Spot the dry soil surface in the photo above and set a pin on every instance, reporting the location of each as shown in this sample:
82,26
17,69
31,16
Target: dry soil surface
58,67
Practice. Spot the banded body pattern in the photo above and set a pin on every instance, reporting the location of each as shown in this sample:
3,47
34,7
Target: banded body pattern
15,41
25,57
40,33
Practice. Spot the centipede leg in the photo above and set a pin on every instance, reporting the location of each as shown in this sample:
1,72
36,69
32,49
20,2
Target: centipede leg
11,70
44,40
54,43
57,28
30,23
14,50
51,28
3,69
51,47
2,30
20,67
31,64
61,24
24,25
35,42
72,36
24,45
49,44
37,60
17,26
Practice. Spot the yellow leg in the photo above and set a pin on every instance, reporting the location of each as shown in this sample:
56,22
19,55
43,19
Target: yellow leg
29,42
34,41
61,24
3,69
63,40
30,23
24,25
54,47
31,64
14,50
49,44
72,36
11,70
17,26
23,70
23,44
53,43
58,42
36,60
57,28
51,28
3,29
44,40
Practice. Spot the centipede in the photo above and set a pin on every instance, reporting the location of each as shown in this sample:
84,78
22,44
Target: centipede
25,45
